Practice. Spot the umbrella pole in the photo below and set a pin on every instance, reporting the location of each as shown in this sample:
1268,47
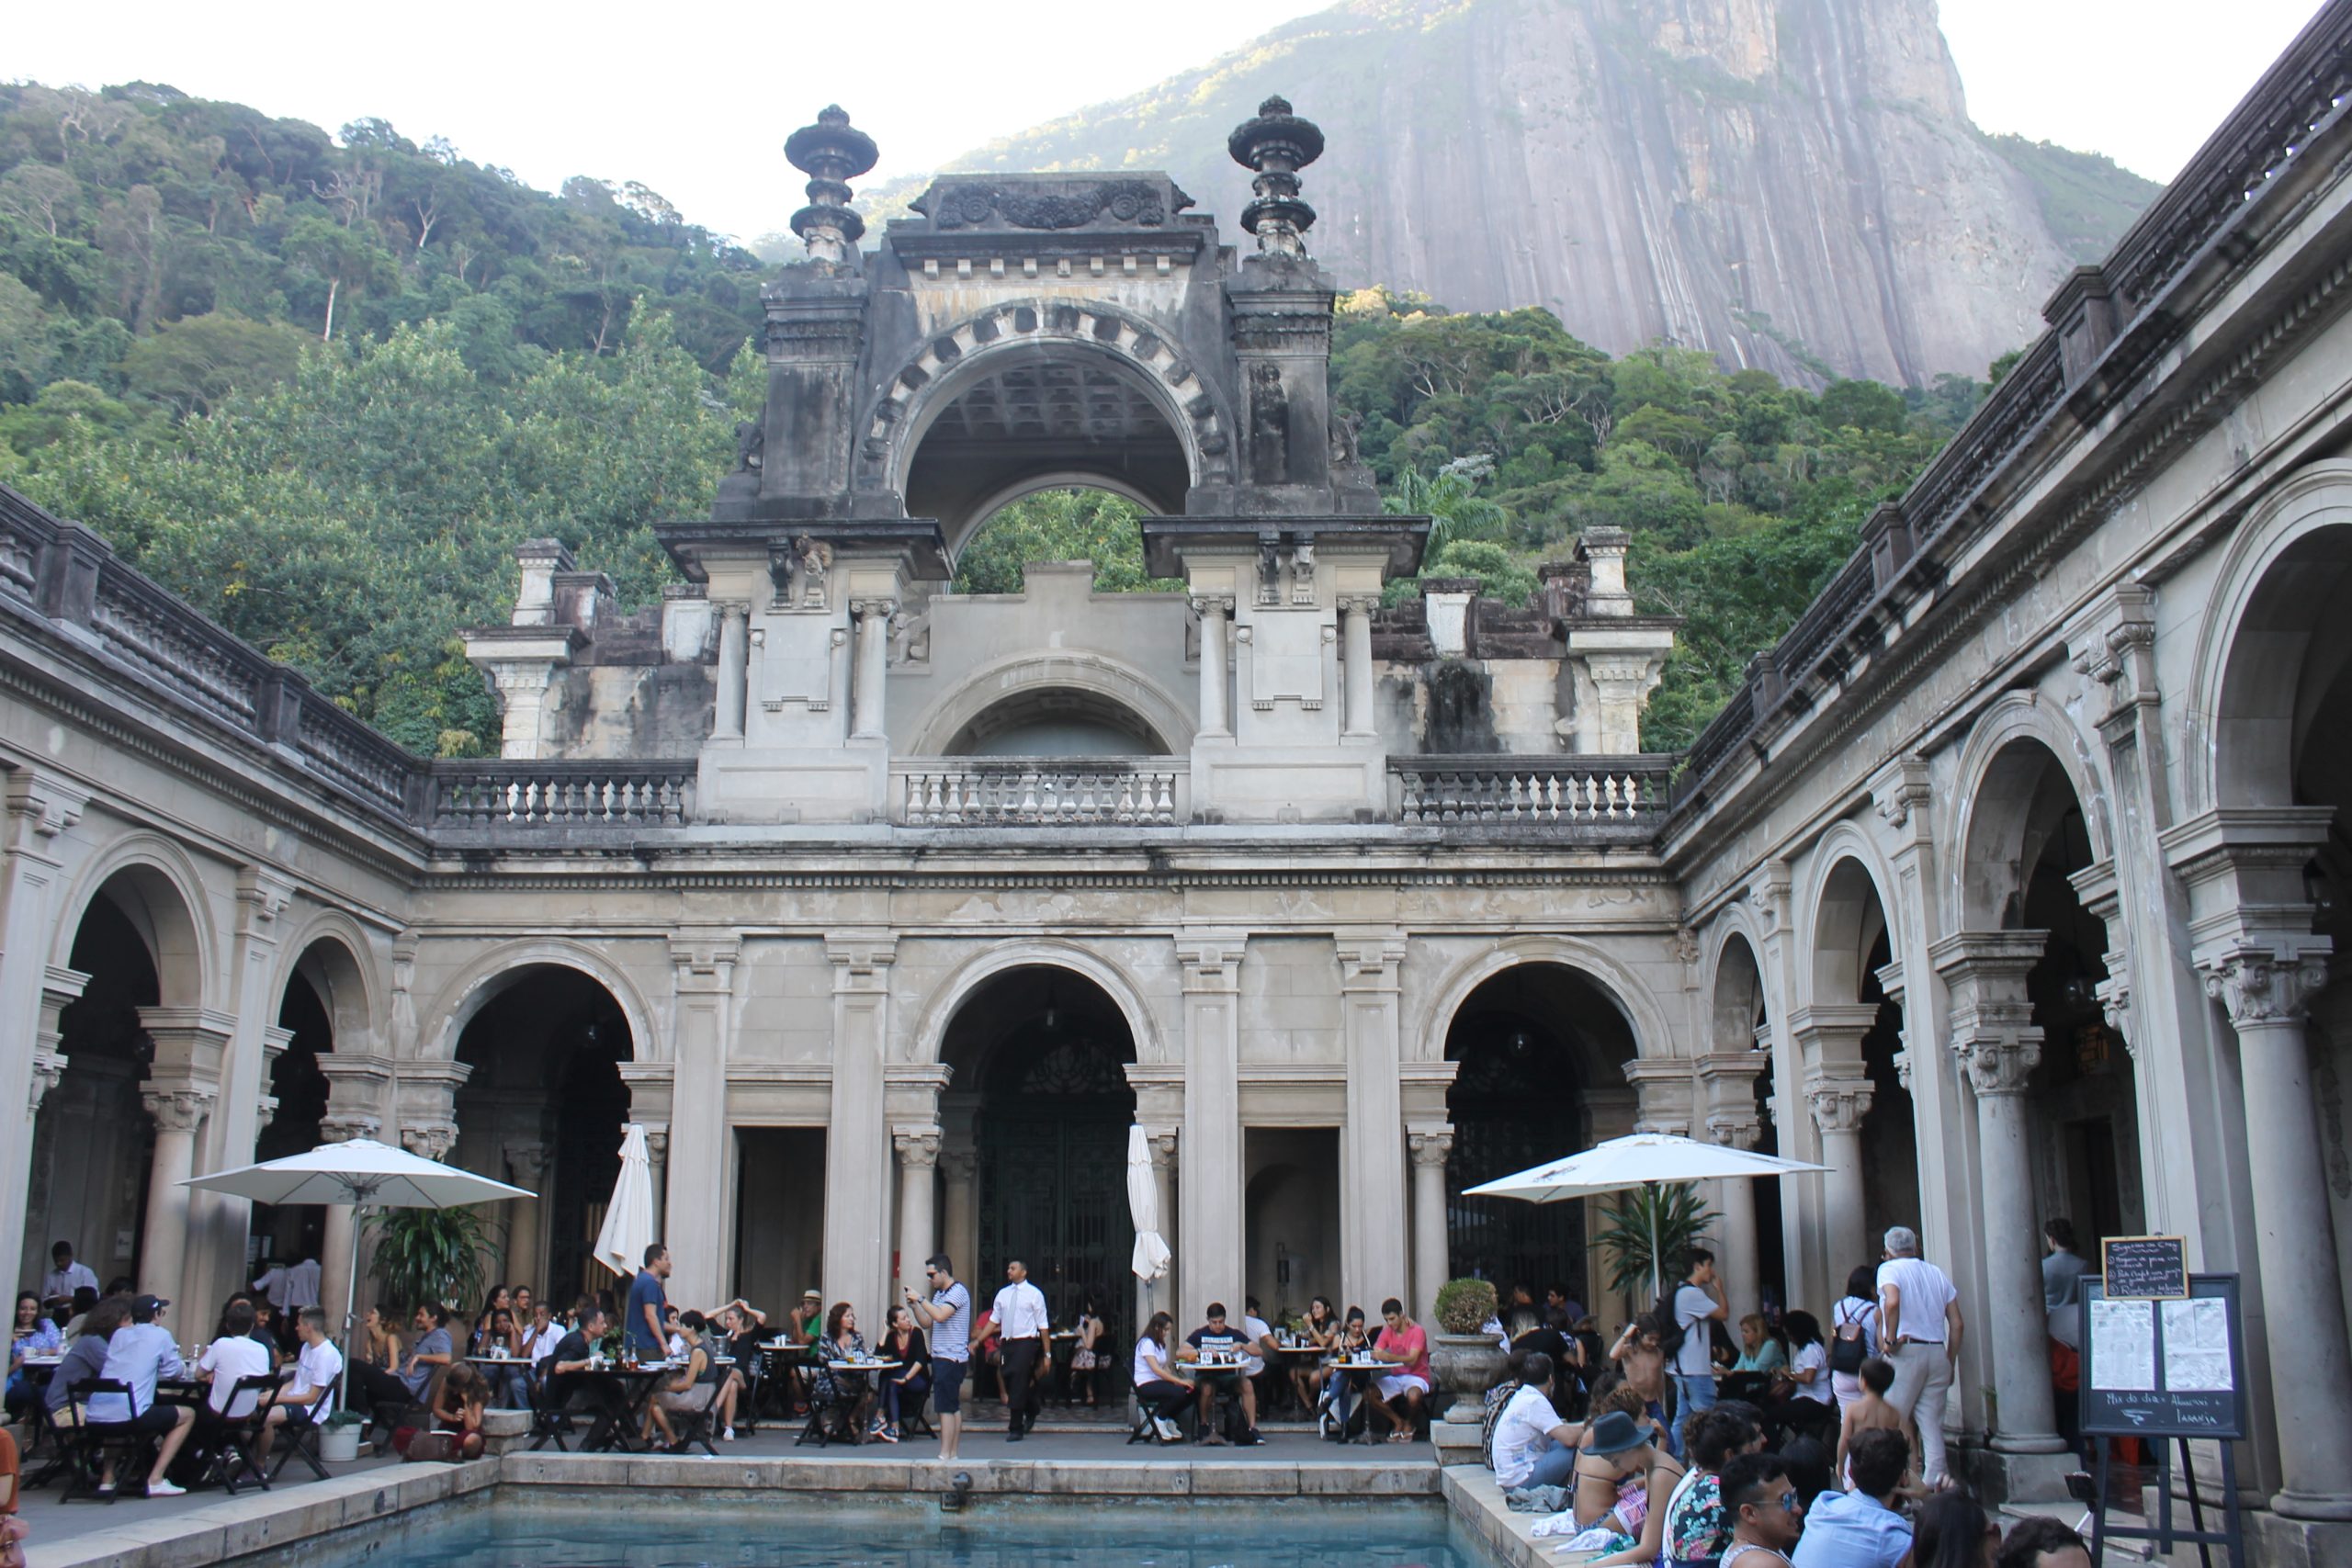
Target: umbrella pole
350,1306
1657,1281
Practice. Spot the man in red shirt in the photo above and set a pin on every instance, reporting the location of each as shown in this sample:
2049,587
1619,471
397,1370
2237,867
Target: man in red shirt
1399,1397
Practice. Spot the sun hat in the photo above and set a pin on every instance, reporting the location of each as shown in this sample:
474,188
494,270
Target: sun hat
1614,1433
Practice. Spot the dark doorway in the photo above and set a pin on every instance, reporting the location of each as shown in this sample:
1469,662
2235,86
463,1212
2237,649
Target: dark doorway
292,1233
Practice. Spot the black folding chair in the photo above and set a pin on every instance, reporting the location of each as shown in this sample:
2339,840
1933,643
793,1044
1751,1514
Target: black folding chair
550,1420
300,1431
86,1443
233,1438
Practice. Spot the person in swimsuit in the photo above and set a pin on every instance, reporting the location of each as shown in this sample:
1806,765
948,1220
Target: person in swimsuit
1622,1479
1761,1502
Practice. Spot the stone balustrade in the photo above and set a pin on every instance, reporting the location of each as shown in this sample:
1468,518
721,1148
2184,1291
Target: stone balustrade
1625,792
1024,792
559,795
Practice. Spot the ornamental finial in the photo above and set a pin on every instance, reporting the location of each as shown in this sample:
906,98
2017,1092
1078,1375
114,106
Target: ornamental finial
1276,145
832,155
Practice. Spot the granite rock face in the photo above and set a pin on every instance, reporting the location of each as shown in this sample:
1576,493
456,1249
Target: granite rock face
1790,184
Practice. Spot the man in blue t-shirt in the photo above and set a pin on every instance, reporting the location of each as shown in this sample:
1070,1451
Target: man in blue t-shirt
641,1327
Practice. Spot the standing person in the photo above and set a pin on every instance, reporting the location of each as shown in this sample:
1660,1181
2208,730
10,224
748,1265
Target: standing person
1853,1334
1561,1310
1766,1516
1871,1413
1640,1355
1862,1528
1399,1397
1019,1313
949,1312
1920,1327
1697,1305
64,1276
642,1328
2061,1267
140,1353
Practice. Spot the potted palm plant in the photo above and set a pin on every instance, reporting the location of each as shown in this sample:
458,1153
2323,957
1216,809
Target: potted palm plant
1465,1356
429,1255
1650,1235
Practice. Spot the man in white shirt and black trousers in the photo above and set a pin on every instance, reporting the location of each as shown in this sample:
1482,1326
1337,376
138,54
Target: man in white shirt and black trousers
1018,1314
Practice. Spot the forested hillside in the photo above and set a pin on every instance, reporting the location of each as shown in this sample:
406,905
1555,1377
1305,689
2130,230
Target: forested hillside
323,386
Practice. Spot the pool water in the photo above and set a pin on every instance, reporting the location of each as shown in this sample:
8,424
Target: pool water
623,1531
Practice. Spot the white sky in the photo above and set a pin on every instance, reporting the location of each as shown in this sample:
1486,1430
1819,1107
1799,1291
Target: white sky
695,100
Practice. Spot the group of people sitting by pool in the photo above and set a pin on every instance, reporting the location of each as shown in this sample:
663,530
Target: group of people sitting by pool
1381,1381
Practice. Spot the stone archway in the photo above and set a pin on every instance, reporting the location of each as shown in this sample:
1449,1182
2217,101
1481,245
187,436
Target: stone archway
1850,1041
1737,1079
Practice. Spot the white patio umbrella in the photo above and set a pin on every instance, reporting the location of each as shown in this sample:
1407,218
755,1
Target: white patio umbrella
628,1220
364,1174
1150,1260
1639,1159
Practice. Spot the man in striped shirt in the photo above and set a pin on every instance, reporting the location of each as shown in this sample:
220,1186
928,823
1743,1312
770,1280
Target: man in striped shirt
948,1312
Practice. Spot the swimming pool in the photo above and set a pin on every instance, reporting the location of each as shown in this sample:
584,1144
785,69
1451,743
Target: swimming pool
604,1529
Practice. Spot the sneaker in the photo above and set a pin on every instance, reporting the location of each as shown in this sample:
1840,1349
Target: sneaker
727,1434
890,1433
165,1489
106,1488
1169,1431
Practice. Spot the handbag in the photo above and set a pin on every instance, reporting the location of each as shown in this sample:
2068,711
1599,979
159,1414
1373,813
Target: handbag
1847,1349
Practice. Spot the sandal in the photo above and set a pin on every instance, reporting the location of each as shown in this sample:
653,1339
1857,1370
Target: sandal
1400,1437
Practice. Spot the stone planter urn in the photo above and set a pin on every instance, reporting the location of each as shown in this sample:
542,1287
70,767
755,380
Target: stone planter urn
338,1445
1463,1366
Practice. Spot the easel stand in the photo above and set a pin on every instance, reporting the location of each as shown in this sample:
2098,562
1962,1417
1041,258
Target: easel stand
2232,1531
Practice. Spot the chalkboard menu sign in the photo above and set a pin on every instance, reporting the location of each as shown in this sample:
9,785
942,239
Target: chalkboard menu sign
2150,1268
2172,1367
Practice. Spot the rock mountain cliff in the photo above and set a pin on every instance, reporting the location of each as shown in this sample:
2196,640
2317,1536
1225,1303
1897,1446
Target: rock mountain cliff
1788,184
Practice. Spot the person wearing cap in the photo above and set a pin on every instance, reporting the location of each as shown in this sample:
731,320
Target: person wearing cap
140,1352
1621,1478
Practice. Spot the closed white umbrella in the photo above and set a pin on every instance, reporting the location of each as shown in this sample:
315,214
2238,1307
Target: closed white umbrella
628,1220
364,1174
1143,1203
1638,1160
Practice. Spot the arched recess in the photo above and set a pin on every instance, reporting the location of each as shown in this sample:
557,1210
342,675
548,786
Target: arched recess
950,996
543,1105
2028,837
2016,752
1010,687
1540,1051
1034,392
322,1007
1859,1027
1613,979
1737,1016
1042,1102
475,985
1846,914
157,888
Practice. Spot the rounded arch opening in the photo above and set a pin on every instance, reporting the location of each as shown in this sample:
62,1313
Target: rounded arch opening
1539,1050
1852,944
1041,1103
1736,1024
545,1101
1058,721
2287,681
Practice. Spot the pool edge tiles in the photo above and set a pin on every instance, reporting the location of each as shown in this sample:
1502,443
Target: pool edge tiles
1476,1504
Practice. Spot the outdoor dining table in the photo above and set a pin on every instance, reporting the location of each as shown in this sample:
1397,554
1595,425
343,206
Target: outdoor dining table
1354,1374
636,1385
772,1363
39,1371
841,1370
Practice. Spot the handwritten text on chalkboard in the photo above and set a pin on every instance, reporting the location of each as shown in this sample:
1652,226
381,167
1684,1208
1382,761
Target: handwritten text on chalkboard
2144,1267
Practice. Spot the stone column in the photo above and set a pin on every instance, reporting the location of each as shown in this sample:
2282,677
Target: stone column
527,1166
702,969
1372,1152
1163,1185
1430,1148
178,1109
1728,1079
657,1158
1838,1105
873,665
1994,1036
918,1151
39,809
1213,611
959,1178
734,630
2265,994
858,1139
1210,1225
1355,623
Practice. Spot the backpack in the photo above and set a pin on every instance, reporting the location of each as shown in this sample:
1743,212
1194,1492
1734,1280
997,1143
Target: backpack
1848,1347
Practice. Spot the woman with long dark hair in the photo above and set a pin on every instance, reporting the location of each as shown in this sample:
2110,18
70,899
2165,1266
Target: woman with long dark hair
847,1392
903,1343
1159,1393
1853,1335
1950,1532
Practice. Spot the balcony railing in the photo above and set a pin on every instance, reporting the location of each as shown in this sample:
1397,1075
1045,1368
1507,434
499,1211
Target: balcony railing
1031,792
561,795
1627,792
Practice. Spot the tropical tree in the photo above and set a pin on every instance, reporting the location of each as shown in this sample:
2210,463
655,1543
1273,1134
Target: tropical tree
425,1257
1650,1233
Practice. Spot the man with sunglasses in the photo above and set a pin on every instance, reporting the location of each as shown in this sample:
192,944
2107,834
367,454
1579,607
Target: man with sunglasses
1766,1516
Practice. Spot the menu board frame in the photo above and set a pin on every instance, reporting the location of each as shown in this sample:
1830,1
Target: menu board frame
2116,1362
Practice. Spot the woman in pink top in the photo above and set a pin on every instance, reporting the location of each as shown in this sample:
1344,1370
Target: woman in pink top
1397,1398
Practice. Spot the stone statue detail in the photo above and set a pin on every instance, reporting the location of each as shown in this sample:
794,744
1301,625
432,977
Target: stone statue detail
814,559
1344,448
751,444
831,153
1302,572
1269,426
1270,569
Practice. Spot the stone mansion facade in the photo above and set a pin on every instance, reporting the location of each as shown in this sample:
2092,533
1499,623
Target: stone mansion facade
2007,887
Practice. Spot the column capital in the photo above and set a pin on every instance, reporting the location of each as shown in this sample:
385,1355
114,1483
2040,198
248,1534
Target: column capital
1769,891
265,1111
1370,958
1838,1104
2259,986
657,1141
1992,1032
1429,1145
876,608
1212,957
176,1106
1359,604
528,1162
1735,1132
958,1165
432,1141
41,807
1902,793
337,1129
861,953
49,1067
734,609
1212,603
703,960
1162,1144
915,1146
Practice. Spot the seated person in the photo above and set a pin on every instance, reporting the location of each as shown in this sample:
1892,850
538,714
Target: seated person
316,1367
35,1335
2041,1541
1623,1478
736,1336
567,1384
1862,1528
1762,1509
140,1352
846,1392
1533,1446
1216,1349
694,1388
900,1389
1399,1397
85,1357
1348,1388
433,1350
1320,1330
459,1395
1259,1352
234,1356
1161,1392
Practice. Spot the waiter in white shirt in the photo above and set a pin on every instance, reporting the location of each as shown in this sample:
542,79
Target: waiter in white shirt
64,1276
1020,1315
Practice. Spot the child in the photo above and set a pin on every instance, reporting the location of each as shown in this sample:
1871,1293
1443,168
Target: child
457,1403
1871,1413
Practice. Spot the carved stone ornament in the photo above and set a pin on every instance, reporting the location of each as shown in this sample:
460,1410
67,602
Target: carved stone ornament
958,1165
1430,1147
2261,988
434,1140
916,1146
1838,1105
2000,1063
1302,572
977,204
180,1110
342,1129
